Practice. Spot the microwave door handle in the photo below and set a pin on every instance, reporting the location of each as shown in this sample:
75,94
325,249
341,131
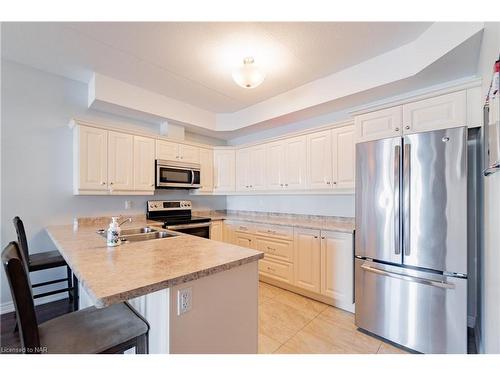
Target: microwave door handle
192,177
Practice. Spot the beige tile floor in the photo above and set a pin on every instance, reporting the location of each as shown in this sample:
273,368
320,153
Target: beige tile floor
293,324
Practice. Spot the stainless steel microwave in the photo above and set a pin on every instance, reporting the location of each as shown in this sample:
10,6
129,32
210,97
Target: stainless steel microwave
177,175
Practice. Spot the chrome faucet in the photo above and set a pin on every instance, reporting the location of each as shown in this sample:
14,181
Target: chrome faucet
129,219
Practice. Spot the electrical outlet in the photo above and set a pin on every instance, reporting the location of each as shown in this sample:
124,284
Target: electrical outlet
184,300
128,205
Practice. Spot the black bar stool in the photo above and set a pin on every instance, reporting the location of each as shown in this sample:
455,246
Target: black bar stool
44,261
113,329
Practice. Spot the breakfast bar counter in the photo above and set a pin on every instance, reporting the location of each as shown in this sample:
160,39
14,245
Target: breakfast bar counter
149,274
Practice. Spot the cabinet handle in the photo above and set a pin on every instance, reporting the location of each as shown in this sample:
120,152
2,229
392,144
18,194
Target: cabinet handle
407,127
103,183
335,182
152,185
286,184
111,183
328,182
270,269
315,236
243,228
281,184
271,248
396,130
323,238
177,157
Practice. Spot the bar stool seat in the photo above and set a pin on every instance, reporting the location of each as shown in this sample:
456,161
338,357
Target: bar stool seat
91,330
113,329
45,260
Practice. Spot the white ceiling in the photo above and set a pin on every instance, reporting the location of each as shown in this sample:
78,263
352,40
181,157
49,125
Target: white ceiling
192,62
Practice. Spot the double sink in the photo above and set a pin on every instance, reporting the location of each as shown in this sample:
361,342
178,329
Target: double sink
141,234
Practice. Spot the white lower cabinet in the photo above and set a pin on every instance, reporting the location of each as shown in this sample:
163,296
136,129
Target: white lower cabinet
216,230
307,258
337,267
317,263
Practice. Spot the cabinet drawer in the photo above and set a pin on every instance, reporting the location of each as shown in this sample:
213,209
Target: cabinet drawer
275,248
242,227
277,270
276,231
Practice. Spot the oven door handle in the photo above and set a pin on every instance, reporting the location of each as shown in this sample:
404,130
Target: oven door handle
187,226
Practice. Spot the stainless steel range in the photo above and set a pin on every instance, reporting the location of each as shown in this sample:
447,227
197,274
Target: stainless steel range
176,216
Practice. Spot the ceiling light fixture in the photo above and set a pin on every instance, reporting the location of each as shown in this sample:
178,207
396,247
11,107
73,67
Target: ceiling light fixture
249,75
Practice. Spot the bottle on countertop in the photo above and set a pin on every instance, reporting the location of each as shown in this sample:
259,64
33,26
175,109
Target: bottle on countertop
113,236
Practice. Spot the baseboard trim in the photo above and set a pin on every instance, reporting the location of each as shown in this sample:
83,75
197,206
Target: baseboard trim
7,307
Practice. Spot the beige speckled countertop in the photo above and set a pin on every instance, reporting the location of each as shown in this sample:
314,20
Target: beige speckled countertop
333,223
116,274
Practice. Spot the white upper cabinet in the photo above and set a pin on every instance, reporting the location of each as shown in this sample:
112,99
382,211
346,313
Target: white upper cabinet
275,158
385,123
440,112
295,163
319,160
258,168
166,150
337,268
189,154
224,170
243,173
144,163
90,159
343,157
120,161
206,170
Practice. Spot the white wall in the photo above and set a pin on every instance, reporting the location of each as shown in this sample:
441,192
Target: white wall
489,309
36,157
329,205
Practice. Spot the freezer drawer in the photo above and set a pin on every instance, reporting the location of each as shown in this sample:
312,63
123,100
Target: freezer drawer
423,311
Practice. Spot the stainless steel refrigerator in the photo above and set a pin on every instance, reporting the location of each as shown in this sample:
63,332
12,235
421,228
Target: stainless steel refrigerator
411,240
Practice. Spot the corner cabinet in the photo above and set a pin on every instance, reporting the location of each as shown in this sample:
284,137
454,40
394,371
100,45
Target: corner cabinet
108,162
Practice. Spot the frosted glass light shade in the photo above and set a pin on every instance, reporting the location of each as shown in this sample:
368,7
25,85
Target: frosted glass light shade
249,75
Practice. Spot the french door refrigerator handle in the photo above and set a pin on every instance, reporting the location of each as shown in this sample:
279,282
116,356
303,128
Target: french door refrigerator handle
414,279
407,192
397,167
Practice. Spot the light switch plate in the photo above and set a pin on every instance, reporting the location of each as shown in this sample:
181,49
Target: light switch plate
184,300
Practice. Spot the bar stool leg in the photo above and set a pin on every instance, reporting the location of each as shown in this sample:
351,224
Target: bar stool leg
76,296
71,292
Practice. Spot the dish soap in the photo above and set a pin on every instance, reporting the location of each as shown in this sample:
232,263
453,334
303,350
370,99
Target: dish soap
113,237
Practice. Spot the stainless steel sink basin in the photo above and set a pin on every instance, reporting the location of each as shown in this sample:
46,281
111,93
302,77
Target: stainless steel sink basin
126,232
141,234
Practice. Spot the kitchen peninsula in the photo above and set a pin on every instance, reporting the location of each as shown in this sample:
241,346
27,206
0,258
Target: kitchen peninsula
221,279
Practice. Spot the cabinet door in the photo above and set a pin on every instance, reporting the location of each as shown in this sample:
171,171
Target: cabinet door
224,170
381,124
92,159
189,154
441,112
167,150
228,232
343,155
307,258
206,170
242,169
120,161
275,155
257,168
319,160
216,230
295,163
337,264
144,163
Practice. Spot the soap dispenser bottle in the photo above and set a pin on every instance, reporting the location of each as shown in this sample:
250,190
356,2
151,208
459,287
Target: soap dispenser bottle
113,237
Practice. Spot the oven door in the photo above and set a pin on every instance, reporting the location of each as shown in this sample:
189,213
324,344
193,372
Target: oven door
168,176
199,230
